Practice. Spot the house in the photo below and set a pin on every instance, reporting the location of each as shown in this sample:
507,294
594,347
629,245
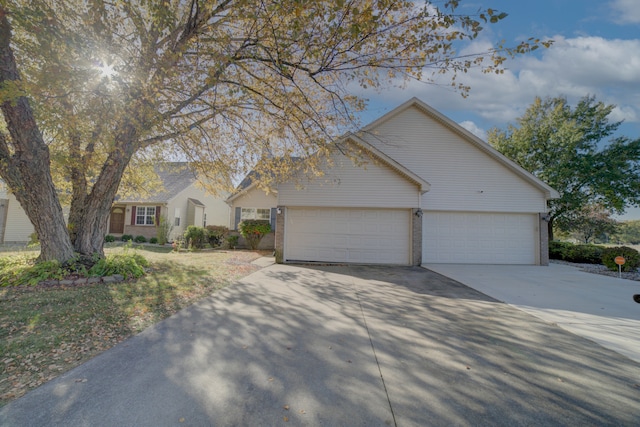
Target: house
181,201
250,202
424,190
15,226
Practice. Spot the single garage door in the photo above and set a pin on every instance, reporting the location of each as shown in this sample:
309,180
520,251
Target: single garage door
362,236
479,238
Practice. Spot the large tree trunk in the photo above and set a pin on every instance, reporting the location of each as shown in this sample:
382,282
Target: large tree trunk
550,229
25,162
92,216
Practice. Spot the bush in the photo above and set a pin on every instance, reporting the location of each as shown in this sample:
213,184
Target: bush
163,230
126,237
195,237
33,240
216,234
153,240
140,239
559,250
128,264
109,238
253,231
631,257
588,254
232,241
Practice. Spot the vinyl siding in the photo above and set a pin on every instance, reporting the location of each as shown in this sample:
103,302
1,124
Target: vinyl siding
346,185
216,209
462,176
18,227
254,198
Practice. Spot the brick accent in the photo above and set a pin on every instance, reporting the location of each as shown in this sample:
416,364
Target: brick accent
279,237
544,239
416,236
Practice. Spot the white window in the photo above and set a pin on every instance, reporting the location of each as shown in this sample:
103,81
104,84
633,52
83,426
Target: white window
253,213
176,217
145,215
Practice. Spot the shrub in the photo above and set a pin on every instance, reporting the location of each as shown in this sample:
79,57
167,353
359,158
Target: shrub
588,254
33,240
559,250
140,239
253,231
216,234
126,237
163,230
109,238
631,257
127,264
195,237
232,241
153,240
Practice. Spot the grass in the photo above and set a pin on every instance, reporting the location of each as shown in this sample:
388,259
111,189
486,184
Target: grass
47,331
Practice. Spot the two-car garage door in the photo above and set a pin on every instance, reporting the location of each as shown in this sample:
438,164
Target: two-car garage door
350,235
479,238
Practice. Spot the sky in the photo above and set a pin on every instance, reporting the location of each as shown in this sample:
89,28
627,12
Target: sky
596,51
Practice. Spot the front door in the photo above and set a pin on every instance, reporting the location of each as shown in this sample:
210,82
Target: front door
116,224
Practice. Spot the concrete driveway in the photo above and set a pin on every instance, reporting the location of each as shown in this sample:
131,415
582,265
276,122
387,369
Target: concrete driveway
593,306
343,346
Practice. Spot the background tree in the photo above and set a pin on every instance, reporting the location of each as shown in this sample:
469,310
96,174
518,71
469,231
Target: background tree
566,147
103,84
627,232
593,224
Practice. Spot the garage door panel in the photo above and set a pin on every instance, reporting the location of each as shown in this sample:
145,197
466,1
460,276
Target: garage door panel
463,237
371,236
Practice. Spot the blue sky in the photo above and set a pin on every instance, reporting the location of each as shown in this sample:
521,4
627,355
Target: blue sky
596,51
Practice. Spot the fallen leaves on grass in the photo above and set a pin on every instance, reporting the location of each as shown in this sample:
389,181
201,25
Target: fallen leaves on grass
47,331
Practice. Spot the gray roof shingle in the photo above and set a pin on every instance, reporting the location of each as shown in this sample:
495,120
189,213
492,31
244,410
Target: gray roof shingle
175,177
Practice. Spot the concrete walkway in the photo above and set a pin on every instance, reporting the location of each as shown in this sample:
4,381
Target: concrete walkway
597,307
343,346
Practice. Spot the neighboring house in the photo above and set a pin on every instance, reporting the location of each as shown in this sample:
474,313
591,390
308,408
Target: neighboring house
429,192
249,201
181,201
15,226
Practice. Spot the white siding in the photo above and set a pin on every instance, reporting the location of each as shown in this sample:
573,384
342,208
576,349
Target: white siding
347,185
254,198
18,227
462,176
216,209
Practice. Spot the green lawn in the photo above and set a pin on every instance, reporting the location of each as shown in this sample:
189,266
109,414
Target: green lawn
47,331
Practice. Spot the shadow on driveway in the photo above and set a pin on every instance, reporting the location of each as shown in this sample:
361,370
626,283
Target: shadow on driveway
343,345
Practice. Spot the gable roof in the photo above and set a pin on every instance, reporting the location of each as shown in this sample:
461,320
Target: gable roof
380,156
175,177
414,102
249,181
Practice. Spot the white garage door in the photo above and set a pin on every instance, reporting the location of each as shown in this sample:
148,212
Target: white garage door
479,238
365,236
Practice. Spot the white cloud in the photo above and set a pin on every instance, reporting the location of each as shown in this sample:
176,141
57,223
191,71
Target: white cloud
572,67
474,129
626,11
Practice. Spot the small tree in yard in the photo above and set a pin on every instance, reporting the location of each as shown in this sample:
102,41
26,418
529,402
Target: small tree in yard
253,231
163,230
